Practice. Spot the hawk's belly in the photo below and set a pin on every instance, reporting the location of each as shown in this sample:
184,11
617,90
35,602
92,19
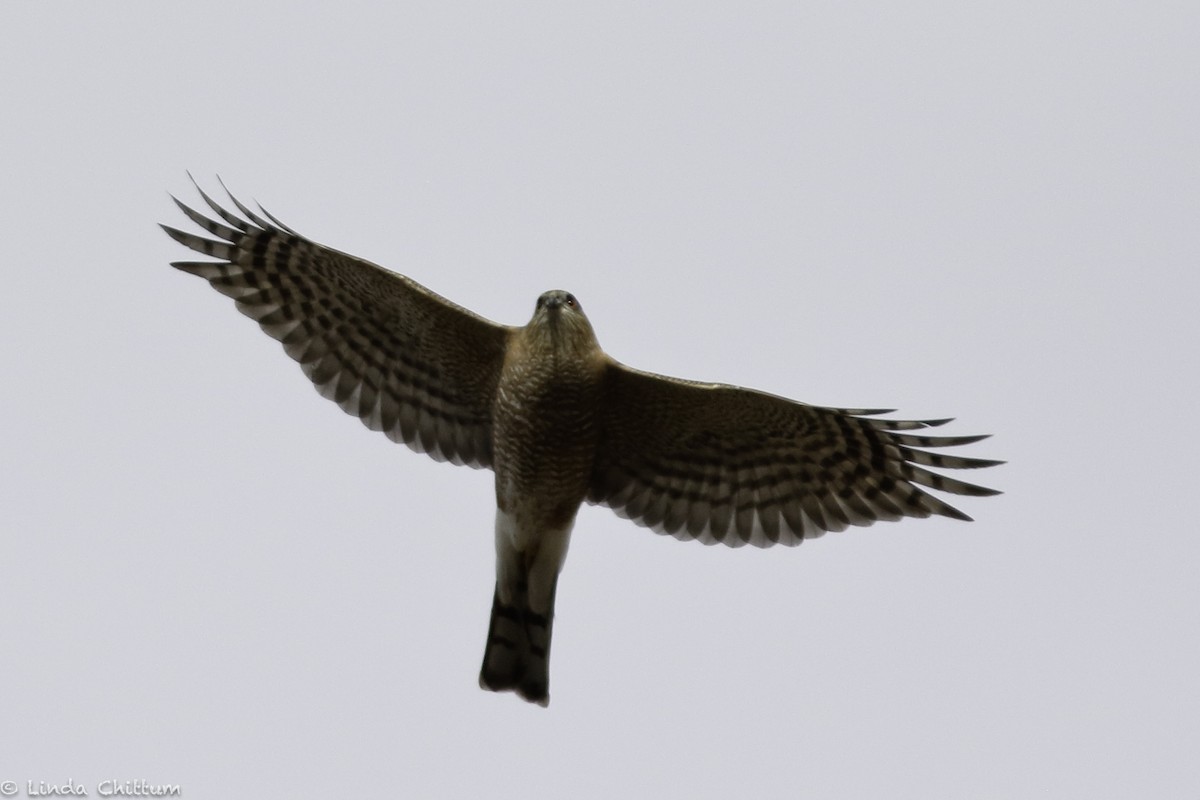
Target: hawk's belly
543,449
542,473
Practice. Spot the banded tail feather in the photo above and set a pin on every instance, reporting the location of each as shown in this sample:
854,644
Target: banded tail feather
517,655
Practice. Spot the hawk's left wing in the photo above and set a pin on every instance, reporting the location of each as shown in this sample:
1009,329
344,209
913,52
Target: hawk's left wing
386,349
720,463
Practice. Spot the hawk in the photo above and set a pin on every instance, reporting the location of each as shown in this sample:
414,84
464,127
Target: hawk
560,422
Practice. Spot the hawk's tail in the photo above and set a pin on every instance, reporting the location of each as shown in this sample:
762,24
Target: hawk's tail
517,655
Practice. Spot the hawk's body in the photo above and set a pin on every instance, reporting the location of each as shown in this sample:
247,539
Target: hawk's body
544,430
560,422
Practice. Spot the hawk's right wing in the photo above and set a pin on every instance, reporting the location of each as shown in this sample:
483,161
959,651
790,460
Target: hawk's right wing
719,463
386,349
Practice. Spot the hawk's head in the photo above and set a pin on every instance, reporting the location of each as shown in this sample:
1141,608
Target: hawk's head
559,323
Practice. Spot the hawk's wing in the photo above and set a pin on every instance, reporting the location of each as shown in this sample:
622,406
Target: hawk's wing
383,347
724,464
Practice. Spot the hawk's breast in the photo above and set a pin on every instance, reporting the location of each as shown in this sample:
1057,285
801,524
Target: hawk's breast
544,432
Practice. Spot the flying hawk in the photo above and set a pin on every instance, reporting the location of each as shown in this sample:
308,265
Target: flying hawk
560,422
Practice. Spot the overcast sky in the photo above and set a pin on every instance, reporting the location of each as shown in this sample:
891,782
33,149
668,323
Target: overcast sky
212,577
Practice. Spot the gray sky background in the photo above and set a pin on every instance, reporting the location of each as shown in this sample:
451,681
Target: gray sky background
210,576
